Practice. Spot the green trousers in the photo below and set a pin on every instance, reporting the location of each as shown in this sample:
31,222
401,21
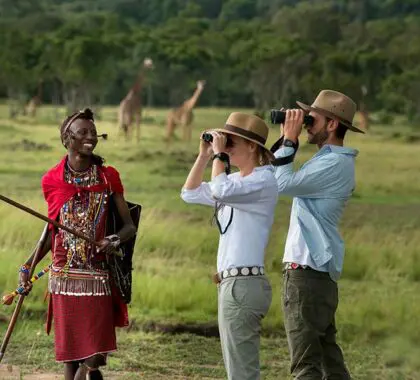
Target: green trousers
242,304
310,300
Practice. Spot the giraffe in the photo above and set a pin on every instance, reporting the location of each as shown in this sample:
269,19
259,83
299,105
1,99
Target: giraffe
130,106
183,115
363,111
363,115
34,102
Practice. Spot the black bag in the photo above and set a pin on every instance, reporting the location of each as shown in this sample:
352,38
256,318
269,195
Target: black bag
121,267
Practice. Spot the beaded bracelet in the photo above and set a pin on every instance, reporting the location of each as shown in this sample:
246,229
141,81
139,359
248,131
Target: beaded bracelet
114,239
24,268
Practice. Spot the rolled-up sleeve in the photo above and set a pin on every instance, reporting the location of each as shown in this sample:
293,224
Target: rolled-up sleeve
200,195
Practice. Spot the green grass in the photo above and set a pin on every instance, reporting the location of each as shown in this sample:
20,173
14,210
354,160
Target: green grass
176,250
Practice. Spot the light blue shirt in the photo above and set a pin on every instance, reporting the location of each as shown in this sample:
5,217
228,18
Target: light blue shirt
320,189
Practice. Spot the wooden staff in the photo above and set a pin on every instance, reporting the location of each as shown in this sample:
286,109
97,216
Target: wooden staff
15,314
46,219
53,222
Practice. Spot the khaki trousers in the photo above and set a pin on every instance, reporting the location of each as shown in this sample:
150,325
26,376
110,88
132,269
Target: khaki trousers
242,303
310,300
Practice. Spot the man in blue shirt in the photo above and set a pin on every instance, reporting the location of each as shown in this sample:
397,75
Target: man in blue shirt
314,250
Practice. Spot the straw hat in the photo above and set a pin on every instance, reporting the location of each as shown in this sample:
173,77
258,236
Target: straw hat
334,105
249,127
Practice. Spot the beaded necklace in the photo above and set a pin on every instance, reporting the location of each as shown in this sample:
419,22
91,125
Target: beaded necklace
82,213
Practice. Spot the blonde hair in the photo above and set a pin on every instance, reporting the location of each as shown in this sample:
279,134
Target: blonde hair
263,156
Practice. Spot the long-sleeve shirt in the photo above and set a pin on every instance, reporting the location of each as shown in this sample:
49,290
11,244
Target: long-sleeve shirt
253,199
320,190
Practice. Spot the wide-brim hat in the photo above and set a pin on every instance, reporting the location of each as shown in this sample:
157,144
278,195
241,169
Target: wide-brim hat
336,106
249,127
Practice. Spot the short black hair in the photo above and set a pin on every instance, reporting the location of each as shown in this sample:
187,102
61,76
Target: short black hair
341,130
86,114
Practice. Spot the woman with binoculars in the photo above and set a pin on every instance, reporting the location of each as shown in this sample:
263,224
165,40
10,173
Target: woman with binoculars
244,205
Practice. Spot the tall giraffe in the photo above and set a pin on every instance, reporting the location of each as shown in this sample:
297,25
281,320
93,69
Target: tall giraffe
183,115
130,106
363,111
34,102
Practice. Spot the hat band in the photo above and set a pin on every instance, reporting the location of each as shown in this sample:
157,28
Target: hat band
330,114
245,133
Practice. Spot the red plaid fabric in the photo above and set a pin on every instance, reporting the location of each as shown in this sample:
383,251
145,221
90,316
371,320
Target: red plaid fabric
83,326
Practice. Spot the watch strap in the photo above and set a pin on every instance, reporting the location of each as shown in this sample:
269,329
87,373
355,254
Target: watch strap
280,161
224,157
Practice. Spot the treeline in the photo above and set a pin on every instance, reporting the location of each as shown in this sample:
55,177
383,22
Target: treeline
253,53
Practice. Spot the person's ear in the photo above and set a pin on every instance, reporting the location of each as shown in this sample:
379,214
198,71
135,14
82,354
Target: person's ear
332,125
253,147
66,140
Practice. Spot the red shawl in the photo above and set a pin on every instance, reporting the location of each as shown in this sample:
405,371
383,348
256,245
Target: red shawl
57,192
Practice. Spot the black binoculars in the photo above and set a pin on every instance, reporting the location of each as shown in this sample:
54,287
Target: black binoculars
208,137
278,117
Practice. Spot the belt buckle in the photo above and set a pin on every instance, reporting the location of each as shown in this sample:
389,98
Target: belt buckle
293,266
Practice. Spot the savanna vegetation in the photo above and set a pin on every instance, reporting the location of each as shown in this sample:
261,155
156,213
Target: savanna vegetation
176,249
254,55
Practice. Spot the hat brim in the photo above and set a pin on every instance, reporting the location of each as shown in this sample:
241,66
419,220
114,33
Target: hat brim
307,108
246,138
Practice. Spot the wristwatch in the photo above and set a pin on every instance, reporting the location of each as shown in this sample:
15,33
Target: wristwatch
114,239
280,161
222,156
289,143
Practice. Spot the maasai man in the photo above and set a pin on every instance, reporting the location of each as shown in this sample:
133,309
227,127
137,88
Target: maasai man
84,302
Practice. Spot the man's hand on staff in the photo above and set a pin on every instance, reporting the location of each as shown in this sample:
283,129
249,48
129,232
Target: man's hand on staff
25,283
293,124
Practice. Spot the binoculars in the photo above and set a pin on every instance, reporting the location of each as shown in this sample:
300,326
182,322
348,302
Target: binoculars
208,137
278,117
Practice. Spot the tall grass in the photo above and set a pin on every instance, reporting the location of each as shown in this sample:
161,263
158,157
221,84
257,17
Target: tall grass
176,247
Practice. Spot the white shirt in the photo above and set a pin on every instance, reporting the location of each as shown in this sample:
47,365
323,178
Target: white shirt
253,199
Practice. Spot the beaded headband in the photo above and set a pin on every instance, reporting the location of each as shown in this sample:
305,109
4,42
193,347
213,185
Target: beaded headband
73,118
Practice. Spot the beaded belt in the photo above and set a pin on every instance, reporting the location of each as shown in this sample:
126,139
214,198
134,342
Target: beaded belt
79,282
238,272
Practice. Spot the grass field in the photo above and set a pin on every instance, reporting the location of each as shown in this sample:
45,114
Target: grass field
176,251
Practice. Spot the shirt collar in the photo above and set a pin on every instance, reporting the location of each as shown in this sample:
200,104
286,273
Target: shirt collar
257,169
337,149
264,167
